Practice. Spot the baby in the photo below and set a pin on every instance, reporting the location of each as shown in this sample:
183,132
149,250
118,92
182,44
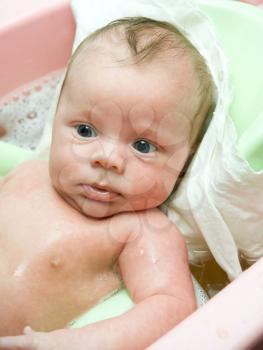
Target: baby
73,230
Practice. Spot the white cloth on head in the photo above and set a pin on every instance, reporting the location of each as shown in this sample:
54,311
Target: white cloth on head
219,204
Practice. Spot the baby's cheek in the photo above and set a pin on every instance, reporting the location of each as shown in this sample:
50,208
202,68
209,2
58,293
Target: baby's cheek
164,183
170,176
66,175
167,186
60,170
138,179
176,160
82,152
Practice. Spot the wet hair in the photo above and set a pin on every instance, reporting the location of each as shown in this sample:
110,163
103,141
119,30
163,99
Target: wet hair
148,39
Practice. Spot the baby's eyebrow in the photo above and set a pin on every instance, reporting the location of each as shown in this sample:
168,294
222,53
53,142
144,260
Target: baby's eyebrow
143,132
86,113
176,144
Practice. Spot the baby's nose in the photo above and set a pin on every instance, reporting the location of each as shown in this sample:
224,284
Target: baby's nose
113,160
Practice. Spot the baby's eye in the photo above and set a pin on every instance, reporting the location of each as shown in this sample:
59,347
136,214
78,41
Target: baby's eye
85,130
144,146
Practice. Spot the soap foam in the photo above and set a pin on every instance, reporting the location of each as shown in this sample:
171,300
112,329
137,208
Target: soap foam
24,111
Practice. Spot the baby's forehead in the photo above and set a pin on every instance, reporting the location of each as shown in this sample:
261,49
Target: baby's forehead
146,97
136,39
111,50
170,71
115,53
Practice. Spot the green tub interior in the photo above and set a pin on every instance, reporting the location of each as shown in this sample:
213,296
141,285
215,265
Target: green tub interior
240,28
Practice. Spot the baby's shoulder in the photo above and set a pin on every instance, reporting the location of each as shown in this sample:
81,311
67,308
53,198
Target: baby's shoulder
34,166
131,224
26,175
28,167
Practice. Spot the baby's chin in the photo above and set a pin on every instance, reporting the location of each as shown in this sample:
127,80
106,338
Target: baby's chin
98,213
102,210
92,208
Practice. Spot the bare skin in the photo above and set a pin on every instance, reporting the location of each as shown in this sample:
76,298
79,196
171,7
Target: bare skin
71,265
73,228
62,268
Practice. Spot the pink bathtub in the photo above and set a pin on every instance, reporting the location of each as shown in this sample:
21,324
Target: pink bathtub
36,38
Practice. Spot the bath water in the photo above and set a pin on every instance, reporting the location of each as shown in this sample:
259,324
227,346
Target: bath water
23,112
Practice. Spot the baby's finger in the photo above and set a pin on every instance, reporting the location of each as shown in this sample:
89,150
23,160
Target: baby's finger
28,330
16,343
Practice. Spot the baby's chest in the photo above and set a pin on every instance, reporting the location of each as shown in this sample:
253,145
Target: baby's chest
57,266
54,240
61,281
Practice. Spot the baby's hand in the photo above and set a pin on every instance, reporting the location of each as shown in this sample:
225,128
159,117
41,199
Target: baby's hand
31,340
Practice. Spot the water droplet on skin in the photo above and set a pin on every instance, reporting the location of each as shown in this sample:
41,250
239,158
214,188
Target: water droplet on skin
20,270
222,333
141,251
102,277
155,260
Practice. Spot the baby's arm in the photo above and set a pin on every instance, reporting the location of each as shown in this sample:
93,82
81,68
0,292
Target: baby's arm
154,267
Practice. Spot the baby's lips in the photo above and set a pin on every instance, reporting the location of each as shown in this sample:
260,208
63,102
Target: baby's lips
99,194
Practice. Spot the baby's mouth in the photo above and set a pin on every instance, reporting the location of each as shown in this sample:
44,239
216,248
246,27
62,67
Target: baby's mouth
99,193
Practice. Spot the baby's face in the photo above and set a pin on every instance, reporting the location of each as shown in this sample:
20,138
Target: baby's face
122,134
